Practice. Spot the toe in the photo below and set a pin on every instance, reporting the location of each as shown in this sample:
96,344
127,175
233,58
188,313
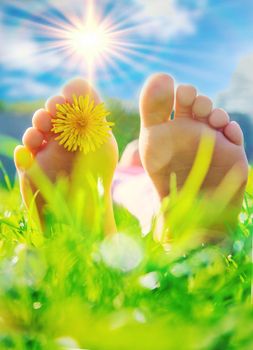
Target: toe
202,107
33,139
157,100
51,104
79,87
42,121
218,118
23,158
234,133
185,97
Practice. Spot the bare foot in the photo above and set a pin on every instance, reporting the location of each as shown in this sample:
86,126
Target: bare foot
170,146
41,149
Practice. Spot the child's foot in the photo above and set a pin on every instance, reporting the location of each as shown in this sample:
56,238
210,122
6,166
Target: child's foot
40,148
170,146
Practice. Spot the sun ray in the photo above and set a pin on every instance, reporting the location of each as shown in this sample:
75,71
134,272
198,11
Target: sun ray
120,73
88,38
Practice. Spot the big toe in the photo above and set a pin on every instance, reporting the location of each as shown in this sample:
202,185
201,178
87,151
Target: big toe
157,100
79,87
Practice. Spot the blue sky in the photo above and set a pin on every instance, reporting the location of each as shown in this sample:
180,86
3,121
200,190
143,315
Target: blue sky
199,42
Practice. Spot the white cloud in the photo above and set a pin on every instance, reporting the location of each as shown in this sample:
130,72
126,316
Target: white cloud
167,18
21,51
239,95
26,87
159,20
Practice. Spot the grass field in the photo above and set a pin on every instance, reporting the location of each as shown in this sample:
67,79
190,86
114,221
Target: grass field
71,287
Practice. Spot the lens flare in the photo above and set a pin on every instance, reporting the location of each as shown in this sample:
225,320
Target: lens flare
89,41
88,37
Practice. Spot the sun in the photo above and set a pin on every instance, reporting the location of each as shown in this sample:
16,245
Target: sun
89,37
89,41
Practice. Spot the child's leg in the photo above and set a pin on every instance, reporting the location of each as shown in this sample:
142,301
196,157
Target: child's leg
131,155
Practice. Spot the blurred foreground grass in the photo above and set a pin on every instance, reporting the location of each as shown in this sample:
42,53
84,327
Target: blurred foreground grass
73,288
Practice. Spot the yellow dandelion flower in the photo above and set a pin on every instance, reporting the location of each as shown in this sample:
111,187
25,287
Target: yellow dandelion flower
81,125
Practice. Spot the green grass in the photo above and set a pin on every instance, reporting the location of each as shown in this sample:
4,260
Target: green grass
70,287
21,108
73,288
126,123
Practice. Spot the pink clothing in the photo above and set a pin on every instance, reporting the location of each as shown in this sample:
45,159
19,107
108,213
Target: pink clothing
133,189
